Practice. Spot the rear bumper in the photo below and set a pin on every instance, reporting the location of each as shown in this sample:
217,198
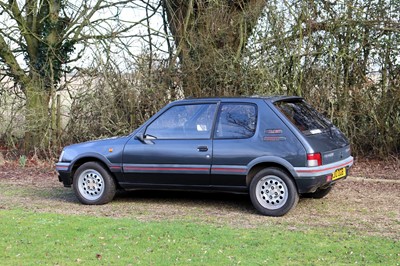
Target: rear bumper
309,179
64,173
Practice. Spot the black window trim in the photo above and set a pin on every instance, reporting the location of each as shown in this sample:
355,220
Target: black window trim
327,124
216,103
234,103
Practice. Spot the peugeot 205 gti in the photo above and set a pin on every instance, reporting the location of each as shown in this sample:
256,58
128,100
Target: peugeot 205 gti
274,148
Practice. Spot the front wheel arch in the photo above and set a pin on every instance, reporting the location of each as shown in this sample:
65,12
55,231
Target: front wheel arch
83,160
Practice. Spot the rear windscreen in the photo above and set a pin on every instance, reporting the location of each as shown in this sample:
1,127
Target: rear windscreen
303,116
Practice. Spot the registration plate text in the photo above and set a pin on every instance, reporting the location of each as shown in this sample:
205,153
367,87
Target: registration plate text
339,173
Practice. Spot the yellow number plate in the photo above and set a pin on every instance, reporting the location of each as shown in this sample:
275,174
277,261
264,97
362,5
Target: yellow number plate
339,173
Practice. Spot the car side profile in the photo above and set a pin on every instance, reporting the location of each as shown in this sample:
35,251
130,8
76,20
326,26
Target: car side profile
274,148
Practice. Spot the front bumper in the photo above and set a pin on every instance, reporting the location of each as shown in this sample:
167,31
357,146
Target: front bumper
309,179
64,173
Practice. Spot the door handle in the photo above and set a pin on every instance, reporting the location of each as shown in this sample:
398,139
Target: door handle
202,148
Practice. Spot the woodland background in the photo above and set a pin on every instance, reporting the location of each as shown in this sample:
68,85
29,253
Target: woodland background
72,71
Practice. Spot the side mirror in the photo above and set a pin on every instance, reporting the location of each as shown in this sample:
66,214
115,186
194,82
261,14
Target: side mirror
142,138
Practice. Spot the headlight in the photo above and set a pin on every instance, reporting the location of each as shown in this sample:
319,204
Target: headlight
61,156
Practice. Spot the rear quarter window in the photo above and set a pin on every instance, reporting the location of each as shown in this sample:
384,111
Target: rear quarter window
236,121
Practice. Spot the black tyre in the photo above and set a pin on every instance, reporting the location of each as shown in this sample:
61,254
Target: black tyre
319,193
273,192
93,184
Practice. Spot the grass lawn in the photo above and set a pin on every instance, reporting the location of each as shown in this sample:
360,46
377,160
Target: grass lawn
30,238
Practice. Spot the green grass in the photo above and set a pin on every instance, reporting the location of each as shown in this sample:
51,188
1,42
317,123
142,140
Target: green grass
28,238
24,191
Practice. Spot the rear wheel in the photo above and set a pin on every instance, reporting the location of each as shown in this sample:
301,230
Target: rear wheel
273,192
319,193
93,184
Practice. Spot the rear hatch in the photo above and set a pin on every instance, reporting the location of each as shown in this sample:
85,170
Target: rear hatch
320,133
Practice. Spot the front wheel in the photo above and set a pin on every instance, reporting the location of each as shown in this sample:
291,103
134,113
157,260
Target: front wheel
93,184
273,192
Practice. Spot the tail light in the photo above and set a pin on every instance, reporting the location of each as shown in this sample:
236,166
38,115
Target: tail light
314,159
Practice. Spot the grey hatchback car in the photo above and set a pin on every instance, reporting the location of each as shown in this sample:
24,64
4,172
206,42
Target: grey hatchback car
274,148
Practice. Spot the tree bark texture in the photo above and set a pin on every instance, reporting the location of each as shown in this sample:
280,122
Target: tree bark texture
210,37
42,30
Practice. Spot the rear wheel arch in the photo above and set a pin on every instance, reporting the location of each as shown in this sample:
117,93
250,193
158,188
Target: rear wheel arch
260,166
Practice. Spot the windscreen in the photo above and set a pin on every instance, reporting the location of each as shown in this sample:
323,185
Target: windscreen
303,116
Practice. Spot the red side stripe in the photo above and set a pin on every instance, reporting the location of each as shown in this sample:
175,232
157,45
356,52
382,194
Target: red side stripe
165,168
236,170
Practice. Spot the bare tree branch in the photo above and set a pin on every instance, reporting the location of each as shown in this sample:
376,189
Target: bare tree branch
8,57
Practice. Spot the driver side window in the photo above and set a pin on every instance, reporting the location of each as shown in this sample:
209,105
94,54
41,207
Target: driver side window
192,121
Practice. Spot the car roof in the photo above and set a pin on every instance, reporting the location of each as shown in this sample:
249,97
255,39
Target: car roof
241,98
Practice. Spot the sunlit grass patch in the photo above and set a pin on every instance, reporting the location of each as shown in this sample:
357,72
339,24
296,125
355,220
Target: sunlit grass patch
29,238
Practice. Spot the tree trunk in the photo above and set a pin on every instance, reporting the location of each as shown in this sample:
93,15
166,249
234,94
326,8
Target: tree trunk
37,118
210,37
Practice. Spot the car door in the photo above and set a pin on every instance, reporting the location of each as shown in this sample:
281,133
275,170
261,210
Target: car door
175,149
234,143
